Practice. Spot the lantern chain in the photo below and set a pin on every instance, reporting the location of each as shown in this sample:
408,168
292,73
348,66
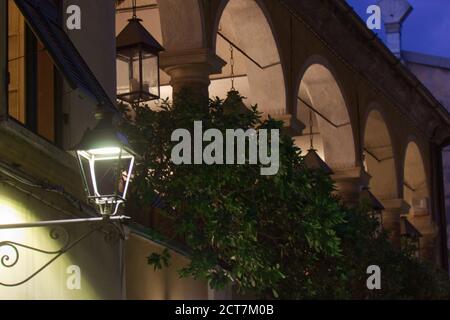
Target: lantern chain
232,67
134,9
311,136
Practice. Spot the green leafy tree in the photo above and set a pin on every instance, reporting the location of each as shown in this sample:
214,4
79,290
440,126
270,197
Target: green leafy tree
282,236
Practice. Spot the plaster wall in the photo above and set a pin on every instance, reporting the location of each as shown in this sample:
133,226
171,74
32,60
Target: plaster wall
144,283
96,43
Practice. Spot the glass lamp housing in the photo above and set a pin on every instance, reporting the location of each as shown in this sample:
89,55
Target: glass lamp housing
106,163
137,64
375,206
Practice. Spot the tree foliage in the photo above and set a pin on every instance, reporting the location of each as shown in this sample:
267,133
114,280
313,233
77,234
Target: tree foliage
282,236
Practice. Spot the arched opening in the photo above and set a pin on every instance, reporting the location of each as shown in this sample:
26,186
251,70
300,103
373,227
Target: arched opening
416,194
322,108
379,159
244,32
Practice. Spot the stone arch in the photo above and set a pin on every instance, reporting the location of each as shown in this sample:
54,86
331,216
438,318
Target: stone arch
379,156
416,193
415,181
260,76
320,93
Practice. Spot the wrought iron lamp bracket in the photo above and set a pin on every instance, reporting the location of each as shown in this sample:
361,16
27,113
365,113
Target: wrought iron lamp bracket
57,232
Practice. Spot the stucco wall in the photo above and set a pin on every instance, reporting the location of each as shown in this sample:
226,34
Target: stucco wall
96,43
144,283
97,259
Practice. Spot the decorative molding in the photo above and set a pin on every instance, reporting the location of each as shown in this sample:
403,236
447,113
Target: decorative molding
398,206
38,143
170,60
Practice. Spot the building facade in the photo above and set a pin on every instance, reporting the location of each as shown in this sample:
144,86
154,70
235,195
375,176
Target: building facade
40,180
374,123
432,71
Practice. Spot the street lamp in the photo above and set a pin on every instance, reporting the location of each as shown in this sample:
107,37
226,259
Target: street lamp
314,162
137,63
106,163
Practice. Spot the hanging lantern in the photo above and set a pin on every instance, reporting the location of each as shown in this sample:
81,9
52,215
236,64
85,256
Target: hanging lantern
376,208
410,236
106,162
314,162
137,63
234,104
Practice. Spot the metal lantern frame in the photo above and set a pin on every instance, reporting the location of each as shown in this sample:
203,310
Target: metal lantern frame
108,203
105,144
135,38
376,207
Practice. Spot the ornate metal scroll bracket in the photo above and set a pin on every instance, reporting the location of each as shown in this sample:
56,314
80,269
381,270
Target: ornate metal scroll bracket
10,259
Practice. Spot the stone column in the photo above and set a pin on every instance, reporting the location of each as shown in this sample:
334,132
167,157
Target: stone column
349,183
429,242
191,69
394,209
429,245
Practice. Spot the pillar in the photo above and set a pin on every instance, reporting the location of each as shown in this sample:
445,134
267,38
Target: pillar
349,183
439,170
393,210
191,69
429,242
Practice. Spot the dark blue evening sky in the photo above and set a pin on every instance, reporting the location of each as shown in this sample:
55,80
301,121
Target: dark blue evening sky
427,28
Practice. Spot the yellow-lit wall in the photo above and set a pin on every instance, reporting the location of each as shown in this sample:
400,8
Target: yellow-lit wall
143,283
98,260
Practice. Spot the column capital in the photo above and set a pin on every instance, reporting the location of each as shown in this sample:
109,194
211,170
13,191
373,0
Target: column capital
393,210
170,60
350,182
191,68
351,173
397,205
